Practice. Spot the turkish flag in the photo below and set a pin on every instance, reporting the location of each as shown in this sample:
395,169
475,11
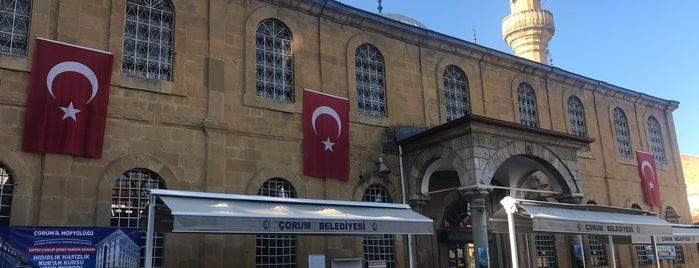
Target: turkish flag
649,178
325,135
67,99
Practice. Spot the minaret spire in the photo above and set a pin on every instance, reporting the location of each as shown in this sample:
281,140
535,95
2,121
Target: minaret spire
528,29
380,7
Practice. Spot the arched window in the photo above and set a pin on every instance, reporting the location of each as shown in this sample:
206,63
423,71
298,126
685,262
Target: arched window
528,114
642,251
273,58
276,250
598,251
148,39
371,87
15,16
456,96
6,188
576,113
656,140
129,201
623,139
379,247
672,217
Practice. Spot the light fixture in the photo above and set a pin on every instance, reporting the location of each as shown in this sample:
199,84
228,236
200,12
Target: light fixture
383,168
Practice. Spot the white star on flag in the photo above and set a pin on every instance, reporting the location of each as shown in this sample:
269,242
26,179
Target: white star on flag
69,112
328,144
651,185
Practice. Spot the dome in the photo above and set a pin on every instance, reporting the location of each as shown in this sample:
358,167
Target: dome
404,19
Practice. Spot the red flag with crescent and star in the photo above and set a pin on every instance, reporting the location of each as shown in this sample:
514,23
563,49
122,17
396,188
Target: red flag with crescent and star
67,99
649,178
325,135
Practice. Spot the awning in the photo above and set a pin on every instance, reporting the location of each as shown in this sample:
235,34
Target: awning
198,212
681,234
546,217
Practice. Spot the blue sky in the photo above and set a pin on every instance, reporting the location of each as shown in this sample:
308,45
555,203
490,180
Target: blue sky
650,47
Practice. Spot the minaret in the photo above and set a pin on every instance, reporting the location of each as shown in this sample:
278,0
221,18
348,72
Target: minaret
528,29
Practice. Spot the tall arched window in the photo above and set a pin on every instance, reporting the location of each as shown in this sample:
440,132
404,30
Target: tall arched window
623,138
129,201
456,95
6,189
371,87
656,140
576,113
15,16
276,250
148,39
672,217
528,114
274,63
379,247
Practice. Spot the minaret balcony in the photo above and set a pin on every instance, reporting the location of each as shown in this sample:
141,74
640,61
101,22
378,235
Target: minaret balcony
528,19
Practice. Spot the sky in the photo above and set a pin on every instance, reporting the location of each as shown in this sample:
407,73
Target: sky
651,47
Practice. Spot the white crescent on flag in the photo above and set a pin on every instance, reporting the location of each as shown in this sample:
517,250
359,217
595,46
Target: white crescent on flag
72,66
329,111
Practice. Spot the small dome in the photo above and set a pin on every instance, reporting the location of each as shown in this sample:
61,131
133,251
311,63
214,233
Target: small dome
404,19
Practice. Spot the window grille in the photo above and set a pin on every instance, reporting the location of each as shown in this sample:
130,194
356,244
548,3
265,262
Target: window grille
274,64
148,39
276,250
371,89
643,252
456,95
457,215
545,250
656,140
527,106
576,112
129,201
6,189
379,247
636,206
623,138
15,16
672,217
598,251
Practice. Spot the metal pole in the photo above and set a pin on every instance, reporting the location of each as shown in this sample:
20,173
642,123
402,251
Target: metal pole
509,204
149,233
611,251
655,251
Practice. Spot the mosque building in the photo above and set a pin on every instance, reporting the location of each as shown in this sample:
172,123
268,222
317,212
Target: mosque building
309,133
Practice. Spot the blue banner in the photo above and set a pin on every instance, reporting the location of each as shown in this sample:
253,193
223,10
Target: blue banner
69,247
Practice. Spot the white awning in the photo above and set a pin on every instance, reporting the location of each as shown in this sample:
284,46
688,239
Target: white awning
198,212
534,216
681,234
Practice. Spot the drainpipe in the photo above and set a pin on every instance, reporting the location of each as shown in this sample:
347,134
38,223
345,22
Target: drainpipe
402,188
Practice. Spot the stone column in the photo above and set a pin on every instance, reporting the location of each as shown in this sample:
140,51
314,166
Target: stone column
479,221
422,246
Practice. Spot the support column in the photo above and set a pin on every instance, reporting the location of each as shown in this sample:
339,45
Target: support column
479,224
421,248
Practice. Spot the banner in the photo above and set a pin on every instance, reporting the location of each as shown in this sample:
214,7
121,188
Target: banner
649,178
67,99
325,135
69,247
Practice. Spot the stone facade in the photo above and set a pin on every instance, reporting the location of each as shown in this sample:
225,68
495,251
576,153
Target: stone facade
207,130
690,169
